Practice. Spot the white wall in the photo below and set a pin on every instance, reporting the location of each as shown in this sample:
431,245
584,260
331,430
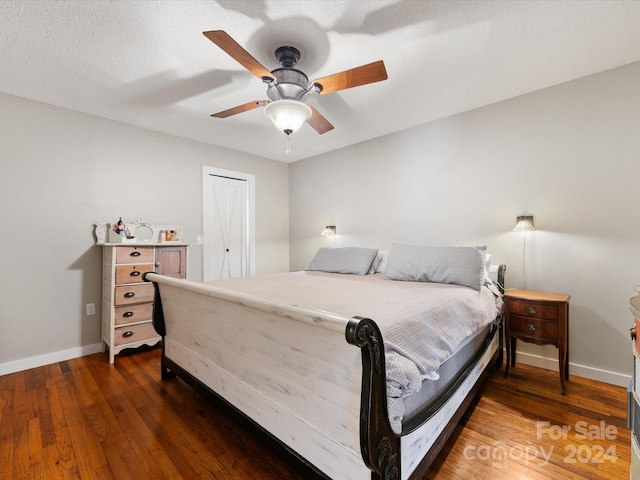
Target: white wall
62,171
569,155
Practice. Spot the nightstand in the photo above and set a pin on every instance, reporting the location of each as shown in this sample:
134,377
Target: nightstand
541,318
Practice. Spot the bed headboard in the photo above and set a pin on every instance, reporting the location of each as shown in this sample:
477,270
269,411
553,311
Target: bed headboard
501,269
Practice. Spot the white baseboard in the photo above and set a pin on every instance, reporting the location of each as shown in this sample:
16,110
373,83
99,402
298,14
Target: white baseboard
49,358
613,378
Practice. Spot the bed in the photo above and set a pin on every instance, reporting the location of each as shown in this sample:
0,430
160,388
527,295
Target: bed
329,362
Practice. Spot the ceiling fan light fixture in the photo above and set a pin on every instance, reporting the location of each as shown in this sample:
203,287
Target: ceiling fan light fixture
287,115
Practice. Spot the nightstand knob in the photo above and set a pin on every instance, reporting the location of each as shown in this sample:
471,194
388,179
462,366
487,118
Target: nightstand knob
632,331
531,311
531,327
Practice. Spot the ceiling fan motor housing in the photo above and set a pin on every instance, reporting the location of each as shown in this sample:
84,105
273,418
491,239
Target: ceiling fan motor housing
287,56
290,84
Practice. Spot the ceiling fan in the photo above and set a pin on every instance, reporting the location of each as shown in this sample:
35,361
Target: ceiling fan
289,88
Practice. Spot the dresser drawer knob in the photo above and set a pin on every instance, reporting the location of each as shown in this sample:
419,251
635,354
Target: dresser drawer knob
632,331
531,311
531,327
127,314
135,273
127,334
135,254
129,295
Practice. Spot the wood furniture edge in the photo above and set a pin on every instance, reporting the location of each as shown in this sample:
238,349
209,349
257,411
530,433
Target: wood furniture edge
537,296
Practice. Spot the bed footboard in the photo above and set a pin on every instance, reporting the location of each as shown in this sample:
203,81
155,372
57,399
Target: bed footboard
379,444
332,401
287,369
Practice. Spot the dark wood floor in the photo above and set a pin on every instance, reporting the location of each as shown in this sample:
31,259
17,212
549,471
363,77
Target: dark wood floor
86,419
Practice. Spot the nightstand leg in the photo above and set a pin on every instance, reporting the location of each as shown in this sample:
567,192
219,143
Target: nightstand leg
566,355
562,362
506,368
511,354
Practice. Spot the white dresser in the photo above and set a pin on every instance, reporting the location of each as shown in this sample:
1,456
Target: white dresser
127,300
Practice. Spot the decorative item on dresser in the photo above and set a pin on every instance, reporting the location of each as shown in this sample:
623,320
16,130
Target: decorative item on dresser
633,420
127,300
541,318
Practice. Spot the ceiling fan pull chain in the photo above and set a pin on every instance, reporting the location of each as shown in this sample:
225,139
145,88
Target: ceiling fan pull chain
287,145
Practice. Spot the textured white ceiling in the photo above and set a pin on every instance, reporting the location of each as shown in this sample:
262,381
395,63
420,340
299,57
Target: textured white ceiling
146,63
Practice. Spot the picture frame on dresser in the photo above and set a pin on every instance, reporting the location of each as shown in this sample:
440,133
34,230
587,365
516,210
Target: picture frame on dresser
127,299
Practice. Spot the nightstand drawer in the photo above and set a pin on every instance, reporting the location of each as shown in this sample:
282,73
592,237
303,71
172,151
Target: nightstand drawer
534,328
531,309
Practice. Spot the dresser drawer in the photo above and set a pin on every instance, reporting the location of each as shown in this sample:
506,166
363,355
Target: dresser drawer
133,313
134,333
532,309
129,294
132,273
534,328
134,255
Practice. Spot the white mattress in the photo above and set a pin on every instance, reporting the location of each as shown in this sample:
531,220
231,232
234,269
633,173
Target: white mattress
422,324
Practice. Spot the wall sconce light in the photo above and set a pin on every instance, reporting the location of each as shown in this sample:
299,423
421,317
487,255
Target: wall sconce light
524,224
329,230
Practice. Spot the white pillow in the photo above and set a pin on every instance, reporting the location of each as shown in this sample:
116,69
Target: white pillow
487,266
355,260
454,265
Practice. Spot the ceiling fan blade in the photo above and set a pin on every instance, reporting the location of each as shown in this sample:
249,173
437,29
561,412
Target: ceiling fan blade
363,75
318,122
240,108
239,54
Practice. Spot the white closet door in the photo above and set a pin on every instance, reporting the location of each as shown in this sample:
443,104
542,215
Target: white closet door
226,225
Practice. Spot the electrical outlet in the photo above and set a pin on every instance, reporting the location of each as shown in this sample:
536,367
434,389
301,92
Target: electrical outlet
91,308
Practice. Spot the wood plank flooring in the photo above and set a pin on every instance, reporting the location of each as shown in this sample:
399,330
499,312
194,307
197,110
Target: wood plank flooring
87,419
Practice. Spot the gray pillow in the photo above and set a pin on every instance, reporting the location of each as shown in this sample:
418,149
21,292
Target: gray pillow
380,262
355,260
455,265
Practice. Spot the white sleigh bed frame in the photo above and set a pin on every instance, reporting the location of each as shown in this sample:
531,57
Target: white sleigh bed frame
297,375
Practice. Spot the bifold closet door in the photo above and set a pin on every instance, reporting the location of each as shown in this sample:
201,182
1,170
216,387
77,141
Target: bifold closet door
225,227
